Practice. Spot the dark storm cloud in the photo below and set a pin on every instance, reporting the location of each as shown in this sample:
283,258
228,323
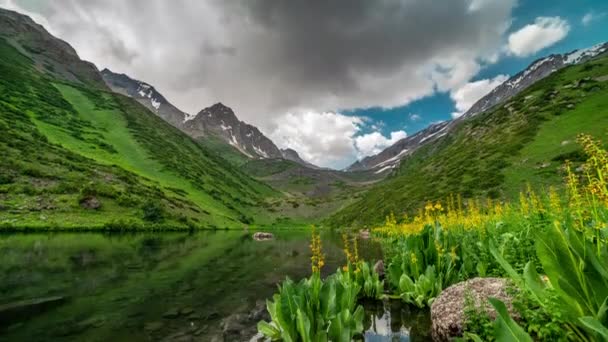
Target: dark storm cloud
268,57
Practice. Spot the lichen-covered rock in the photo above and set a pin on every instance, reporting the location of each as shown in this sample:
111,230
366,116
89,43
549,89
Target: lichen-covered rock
448,310
379,268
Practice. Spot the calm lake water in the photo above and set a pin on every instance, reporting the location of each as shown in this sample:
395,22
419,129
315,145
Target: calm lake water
203,286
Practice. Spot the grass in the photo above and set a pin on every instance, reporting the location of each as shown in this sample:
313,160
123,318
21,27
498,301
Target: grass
67,143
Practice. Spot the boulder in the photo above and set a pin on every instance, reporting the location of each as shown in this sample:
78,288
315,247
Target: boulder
379,268
364,234
90,202
262,236
448,310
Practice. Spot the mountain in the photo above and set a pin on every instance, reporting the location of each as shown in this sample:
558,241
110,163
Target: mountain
77,155
220,121
536,71
291,154
216,126
496,152
48,54
145,94
390,158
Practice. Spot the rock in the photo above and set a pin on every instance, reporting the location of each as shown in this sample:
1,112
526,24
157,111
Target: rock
379,268
447,311
25,309
262,236
153,326
364,234
172,313
565,142
259,312
233,326
602,78
212,316
570,106
90,202
186,311
195,317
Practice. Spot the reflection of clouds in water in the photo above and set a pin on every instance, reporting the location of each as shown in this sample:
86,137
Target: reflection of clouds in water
380,329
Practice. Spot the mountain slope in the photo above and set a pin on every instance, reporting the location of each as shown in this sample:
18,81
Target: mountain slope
390,158
290,154
77,155
146,95
495,152
311,194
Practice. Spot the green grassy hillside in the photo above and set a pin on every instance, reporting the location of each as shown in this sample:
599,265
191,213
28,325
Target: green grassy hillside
224,150
79,156
310,195
497,152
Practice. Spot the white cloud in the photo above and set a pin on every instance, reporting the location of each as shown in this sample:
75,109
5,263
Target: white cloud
330,139
373,143
414,117
464,97
590,17
532,38
323,138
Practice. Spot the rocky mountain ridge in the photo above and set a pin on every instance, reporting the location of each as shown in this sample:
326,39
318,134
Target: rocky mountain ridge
217,120
391,157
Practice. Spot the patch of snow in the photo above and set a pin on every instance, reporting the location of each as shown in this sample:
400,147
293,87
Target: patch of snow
142,93
249,135
391,160
578,55
155,103
260,152
224,127
514,83
233,141
434,134
389,167
188,117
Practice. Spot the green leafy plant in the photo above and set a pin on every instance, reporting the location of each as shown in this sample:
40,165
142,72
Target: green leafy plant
577,273
421,267
315,310
367,278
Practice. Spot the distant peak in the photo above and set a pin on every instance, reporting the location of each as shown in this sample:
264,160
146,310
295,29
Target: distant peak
220,106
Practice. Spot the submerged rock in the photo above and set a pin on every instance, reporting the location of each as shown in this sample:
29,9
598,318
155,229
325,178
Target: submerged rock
448,310
262,236
24,309
172,313
243,326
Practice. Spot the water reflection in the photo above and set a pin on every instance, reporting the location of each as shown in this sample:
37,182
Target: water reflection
142,287
394,321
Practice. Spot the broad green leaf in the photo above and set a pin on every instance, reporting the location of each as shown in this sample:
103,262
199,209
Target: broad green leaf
269,330
595,325
506,330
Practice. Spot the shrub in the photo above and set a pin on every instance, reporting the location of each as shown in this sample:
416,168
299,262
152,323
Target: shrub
153,211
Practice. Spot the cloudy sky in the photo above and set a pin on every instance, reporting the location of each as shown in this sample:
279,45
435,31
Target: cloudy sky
335,80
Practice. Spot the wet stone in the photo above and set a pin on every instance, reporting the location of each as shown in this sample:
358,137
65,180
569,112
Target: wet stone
153,326
172,313
186,311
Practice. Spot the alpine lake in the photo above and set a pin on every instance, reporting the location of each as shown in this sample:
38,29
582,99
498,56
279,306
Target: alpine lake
191,286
